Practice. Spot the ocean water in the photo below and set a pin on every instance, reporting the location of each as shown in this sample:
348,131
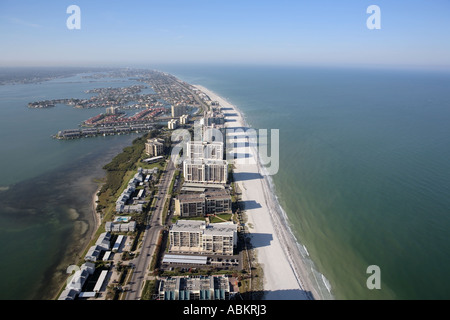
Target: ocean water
364,173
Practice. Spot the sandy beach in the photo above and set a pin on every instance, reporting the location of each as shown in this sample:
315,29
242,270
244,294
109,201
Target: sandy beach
285,271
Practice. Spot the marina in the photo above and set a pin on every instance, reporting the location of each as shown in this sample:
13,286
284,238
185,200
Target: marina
110,131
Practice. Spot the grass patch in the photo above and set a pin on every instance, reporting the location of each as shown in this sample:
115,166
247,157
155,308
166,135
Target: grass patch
220,218
149,290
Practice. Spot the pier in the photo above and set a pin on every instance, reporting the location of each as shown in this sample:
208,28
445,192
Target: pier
94,132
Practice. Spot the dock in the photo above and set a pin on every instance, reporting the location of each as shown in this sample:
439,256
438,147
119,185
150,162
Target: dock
106,131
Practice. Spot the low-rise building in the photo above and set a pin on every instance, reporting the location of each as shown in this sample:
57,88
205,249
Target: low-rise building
93,253
77,281
120,227
103,240
68,294
195,288
126,195
102,244
133,208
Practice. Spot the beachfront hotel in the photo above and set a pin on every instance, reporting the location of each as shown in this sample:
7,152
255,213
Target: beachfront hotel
206,201
205,150
192,236
205,171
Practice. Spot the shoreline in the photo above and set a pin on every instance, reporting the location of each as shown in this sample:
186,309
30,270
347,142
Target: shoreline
90,213
95,214
286,273
285,266
97,221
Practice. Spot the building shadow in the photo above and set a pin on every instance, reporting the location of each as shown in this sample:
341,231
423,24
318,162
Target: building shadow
250,204
230,114
259,240
276,295
242,155
236,128
244,176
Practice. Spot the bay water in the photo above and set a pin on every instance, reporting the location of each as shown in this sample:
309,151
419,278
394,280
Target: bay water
47,185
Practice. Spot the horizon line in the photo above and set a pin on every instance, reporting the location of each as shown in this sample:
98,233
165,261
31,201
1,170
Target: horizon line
118,65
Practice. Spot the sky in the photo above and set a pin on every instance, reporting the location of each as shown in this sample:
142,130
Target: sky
413,34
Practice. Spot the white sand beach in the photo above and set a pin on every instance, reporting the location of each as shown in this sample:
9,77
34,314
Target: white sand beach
284,270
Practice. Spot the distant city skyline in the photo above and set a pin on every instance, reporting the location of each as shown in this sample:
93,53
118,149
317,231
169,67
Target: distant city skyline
328,33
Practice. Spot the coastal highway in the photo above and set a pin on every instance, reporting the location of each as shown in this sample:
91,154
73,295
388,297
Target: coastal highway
150,237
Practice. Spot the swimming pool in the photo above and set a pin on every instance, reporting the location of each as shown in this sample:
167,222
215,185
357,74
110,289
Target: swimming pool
122,219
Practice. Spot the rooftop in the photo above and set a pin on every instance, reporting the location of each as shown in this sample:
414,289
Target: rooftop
184,259
222,228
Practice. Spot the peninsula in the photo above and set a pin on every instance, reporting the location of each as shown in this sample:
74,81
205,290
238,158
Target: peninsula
172,229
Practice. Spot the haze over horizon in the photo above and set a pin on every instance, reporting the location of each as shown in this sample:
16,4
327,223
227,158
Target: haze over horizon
319,33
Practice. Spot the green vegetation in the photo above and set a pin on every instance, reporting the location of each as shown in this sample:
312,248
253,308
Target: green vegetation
175,175
166,208
156,253
121,164
125,271
220,218
149,290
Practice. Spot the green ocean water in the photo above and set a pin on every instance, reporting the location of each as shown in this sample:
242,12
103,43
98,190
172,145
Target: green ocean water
364,168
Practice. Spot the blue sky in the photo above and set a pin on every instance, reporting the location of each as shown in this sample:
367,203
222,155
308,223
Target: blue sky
413,33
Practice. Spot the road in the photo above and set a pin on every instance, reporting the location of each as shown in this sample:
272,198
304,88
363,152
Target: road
150,237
